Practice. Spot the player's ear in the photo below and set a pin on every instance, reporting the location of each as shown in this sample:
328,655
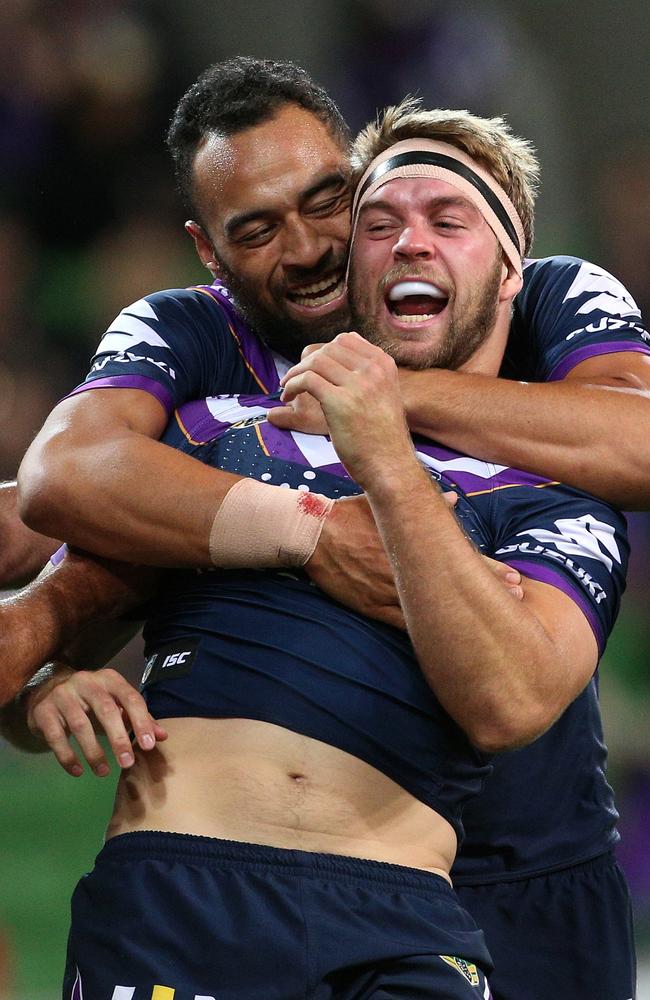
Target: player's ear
203,246
511,282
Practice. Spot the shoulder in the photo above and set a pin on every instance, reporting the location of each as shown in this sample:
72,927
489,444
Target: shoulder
568,279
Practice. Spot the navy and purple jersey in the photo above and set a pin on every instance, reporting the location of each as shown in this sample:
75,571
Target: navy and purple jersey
185,344
272,646
568,311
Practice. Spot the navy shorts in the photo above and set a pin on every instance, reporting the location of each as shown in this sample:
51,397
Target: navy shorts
174,917
562,936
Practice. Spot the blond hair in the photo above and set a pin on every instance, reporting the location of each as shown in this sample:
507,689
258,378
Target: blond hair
509,159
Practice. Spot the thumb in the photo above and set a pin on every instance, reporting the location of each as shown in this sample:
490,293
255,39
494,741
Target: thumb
282,416
310,349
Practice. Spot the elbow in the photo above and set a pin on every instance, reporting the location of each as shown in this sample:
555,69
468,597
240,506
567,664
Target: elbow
500,731
44,491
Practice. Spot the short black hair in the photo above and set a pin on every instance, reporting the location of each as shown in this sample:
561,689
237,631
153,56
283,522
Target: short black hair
238,94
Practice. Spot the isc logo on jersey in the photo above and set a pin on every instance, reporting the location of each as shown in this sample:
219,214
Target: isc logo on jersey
172,660
584,537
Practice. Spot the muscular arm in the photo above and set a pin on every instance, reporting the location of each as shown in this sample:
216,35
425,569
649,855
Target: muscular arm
503,669
49,614
589,430
23,552
96,476
71,612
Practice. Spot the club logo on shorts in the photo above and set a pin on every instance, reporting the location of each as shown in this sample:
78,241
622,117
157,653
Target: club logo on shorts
466,969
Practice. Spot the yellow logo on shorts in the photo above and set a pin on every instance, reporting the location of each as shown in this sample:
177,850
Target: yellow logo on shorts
466,969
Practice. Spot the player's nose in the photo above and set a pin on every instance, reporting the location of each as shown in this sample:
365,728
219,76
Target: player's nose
414,242
303,245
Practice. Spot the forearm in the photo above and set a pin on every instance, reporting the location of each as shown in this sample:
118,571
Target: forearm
485,655
23,552
590,436
38,622
129,498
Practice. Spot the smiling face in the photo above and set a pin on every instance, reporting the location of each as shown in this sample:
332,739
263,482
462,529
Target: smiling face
276,217
427,279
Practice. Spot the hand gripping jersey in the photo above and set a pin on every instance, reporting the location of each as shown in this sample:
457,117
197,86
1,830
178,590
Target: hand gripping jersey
272,646
184,344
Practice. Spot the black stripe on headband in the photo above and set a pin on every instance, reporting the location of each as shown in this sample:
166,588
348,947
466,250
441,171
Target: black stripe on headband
449,163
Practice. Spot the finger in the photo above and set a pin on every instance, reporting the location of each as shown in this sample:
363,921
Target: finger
450,497
48,725
159,732
145,728
79,725
283,416
310,349
308,381
115,724
332,369
392,616
503,571
304,413
347,349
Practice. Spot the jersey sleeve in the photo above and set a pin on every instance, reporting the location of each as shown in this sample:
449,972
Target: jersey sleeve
569,540
570,310
173,344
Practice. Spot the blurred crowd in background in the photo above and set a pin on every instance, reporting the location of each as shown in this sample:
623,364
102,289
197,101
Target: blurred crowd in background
89,219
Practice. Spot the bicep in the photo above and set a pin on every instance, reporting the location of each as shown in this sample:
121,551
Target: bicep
567,627
623,369
97,413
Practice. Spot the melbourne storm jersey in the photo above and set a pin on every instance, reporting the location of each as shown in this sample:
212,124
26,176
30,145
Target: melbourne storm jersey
186,344
272,646
549,804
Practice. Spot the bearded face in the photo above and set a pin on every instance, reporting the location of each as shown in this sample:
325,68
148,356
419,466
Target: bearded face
459,321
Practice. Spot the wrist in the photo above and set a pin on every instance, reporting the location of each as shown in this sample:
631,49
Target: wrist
15,716
267,527
396,478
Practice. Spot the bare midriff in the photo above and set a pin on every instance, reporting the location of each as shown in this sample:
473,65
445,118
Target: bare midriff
240,779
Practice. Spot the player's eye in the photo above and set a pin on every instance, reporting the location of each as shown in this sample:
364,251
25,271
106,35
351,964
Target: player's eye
382,227
331,204
449,224
258,236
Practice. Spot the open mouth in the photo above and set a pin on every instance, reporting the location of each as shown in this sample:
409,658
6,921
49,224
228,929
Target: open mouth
415,301
320,293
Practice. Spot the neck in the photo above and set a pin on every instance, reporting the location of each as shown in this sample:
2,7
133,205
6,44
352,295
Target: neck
487,359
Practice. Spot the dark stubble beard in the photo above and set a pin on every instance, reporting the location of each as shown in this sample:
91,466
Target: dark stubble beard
282,334
463,337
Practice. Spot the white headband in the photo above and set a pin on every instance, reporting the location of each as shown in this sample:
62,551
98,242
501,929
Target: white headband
442,161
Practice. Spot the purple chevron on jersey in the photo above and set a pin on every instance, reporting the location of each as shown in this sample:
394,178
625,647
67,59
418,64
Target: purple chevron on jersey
149,385
257,355
591,351
198,422
472,475
203,420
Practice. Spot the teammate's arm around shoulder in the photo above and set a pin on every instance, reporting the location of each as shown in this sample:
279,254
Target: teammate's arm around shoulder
96,476
581,415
